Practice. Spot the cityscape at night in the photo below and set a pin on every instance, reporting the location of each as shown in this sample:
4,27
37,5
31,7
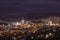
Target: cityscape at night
29,19
40,29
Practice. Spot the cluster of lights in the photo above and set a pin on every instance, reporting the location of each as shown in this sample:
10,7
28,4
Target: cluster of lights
25,24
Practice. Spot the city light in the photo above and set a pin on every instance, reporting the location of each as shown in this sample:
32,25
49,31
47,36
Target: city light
26,29
46,36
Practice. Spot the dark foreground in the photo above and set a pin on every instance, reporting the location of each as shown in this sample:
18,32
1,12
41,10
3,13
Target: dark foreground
42,34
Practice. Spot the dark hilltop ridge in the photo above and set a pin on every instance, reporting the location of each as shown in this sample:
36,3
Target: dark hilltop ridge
26,17
40,15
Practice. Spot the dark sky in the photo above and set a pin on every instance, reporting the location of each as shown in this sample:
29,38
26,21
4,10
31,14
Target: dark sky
29,7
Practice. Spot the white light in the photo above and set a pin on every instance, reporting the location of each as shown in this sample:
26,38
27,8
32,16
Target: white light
38,36
54,30
23,21
50,34
17,23
46,36
32,37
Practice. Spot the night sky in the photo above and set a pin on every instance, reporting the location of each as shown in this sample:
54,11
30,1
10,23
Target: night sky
29,7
